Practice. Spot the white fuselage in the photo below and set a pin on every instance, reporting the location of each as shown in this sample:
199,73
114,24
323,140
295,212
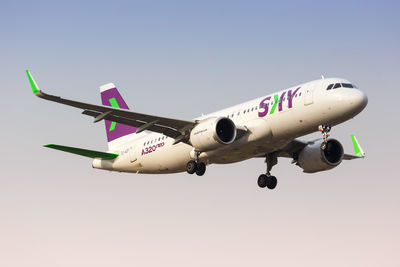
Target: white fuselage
272,121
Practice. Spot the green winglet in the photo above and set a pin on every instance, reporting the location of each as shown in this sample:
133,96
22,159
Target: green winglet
35,88
84,152
357,148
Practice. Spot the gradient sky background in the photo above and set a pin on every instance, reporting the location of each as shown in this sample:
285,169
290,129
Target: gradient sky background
181,59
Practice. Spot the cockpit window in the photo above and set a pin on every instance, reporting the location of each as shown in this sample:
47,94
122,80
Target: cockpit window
347,85
337,85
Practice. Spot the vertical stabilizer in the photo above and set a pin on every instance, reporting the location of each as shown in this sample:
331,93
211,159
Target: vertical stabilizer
112,98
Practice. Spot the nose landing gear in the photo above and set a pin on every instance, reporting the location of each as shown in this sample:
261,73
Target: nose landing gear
267,180
324,129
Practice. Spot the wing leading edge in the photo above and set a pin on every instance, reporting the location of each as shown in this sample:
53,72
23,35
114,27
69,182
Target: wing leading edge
177,129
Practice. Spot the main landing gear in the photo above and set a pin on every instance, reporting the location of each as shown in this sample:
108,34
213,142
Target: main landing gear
196,166
267,180
324,129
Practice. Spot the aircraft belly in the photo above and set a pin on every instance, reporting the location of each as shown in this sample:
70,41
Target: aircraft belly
244,151
169,159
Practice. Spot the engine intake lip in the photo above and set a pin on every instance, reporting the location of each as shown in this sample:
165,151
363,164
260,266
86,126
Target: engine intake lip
333,153
225,130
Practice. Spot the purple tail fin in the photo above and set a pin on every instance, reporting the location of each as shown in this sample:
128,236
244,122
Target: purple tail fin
112,98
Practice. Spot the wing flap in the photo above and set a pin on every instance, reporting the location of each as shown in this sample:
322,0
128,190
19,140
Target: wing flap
84,152
170,132
176,124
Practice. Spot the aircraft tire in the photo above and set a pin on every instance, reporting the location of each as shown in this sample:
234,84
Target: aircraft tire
262,180
191,167
271,182
201,168
323,146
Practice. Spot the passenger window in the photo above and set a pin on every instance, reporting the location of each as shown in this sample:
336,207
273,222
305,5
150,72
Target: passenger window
299,94
329,87
337,86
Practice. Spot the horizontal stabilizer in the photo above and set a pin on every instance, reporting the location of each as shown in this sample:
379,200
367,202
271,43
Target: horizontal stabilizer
84,152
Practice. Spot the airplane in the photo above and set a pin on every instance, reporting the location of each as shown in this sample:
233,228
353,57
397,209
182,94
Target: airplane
266,127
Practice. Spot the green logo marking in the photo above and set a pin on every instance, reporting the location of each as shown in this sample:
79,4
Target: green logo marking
276,100
32,82
357,148
114,104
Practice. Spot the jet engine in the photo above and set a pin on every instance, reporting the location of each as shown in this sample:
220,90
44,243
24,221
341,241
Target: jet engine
313,159
212,133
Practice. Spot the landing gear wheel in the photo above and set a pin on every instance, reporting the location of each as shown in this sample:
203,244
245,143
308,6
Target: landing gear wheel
191,167
271,182
323,146
262,180
267,180
201,168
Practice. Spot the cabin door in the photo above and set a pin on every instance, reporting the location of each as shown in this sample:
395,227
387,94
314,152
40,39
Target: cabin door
132,156
308,96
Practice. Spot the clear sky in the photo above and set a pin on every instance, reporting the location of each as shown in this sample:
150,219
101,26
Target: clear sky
181,59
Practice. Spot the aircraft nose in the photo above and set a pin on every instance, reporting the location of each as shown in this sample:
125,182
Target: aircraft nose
358,100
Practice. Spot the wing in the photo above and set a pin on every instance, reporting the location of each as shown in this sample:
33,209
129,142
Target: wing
293,149
177,129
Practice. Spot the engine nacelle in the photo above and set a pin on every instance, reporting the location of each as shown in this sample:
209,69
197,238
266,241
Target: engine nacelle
212,133
313,159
